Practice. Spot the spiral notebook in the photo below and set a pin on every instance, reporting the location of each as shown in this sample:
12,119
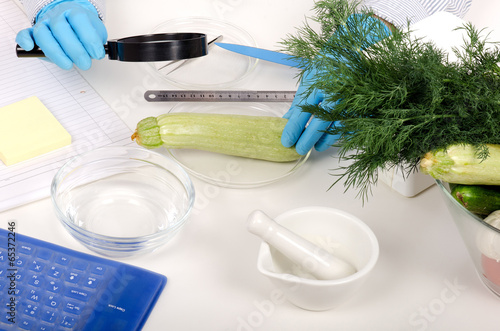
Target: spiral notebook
73,102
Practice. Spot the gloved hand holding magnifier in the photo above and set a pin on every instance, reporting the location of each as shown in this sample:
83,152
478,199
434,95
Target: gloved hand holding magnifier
68,32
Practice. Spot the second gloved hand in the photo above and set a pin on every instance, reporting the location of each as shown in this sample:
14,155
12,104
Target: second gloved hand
68,32
302,129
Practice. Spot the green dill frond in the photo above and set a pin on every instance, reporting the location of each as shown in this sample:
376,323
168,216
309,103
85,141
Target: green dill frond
399,98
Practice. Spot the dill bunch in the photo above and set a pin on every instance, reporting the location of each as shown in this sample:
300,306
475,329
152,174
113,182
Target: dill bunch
400,98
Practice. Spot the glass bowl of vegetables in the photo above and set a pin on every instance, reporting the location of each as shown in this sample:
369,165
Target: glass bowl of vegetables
474,213
122,201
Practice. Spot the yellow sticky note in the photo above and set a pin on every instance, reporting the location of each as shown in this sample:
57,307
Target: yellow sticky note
28,129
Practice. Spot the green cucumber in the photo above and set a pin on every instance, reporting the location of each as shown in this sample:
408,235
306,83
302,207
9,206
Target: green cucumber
257,137
481,200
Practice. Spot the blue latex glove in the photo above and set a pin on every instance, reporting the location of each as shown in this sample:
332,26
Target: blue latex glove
67,32
297,131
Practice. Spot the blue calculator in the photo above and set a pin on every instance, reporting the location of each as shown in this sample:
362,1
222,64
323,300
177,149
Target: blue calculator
48,287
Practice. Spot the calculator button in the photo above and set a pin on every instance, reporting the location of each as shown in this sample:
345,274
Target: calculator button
80,265
55,272
44,254
20,261
73,277
36,280
68,322
54,286
19,290
91,282
73,307
5,318
37,266
26,324
19,276
62,260
49,316
34,295
53,301
30,310
25,249
77,294
98,270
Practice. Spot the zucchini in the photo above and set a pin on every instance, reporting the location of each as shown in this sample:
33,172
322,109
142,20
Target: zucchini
460,164
481,200
257,137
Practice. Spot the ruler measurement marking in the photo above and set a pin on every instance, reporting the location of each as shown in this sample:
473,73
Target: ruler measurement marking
220,96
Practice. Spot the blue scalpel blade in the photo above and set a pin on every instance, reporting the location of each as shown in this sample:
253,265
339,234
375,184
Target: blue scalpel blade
262,54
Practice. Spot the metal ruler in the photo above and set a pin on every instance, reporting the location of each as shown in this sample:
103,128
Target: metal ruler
218,96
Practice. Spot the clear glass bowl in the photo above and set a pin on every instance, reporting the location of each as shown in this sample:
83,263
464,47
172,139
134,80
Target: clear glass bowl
121,201
481,239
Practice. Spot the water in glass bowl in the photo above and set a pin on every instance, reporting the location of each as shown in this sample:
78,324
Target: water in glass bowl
125,206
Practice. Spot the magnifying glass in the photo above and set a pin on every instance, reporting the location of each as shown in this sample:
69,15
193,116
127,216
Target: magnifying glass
146,48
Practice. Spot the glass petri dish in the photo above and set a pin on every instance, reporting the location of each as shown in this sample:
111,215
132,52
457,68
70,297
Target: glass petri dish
219,68
232,171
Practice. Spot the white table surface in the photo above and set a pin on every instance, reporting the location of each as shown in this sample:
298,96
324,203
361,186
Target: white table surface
424,279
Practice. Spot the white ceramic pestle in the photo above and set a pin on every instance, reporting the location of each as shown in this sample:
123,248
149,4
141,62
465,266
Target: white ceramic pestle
317,261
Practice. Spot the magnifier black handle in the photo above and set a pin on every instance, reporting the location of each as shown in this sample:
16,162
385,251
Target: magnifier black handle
37,52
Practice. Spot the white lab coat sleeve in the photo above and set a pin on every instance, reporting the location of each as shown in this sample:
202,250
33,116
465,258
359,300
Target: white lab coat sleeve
32,7
400,12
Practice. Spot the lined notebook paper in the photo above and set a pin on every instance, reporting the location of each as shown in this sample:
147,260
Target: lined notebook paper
72,101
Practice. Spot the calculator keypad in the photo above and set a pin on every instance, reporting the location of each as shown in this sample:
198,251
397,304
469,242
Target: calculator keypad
56,288
52,291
